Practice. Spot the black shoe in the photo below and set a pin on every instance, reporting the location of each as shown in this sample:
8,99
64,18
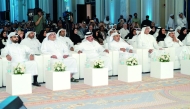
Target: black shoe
36,84
74,80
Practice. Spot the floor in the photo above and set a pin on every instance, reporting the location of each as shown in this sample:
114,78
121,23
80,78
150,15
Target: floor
150,93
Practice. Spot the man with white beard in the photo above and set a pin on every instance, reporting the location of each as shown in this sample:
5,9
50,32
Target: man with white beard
31,42
61,34
125,50
124,31
181,20
59,52
93,51
147,41
17,53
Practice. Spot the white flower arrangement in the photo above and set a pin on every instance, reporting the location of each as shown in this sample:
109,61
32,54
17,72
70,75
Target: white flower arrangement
19,69
59,67
164,58
98,64
132,61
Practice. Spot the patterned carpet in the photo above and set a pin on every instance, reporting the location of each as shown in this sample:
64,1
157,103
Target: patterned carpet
151,93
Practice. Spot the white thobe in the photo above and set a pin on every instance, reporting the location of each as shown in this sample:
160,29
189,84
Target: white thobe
186,41
67,41
115,46
171,23
124,32
179,48
94,51
59,49
20,54
147,41
170,43
4,43
182,22
33,44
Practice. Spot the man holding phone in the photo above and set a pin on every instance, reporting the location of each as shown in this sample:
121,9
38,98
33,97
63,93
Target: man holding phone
39,21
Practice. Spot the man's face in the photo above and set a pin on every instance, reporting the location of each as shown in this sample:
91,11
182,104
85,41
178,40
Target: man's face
40,13
90,27
125,26
52,37
135,15
116,38
181,15
172,35
90,38
62,33
147,30
59,24
14,39
31,35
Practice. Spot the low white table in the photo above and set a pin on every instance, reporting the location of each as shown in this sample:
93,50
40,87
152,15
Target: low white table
96,76
58,80
18,84
130,73
185,67
162,70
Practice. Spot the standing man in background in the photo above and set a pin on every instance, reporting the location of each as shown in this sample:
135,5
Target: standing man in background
136,19
39,21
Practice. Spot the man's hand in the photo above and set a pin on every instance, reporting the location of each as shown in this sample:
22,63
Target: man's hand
54,56
31,57
72,49
9,58
123,49
65,56
79,52
150,51
130,51
106,50
160,48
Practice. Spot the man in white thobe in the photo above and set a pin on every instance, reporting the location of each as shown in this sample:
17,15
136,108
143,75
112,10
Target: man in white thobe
125,50
172,41
181,20
147,41
31,42
61,35
124,31
94,51
171,24
59,52
17,53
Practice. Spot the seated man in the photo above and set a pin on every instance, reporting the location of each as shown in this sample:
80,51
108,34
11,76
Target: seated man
172,41
125,49
31,42
59,52
93,50
61,34
147,41
17,53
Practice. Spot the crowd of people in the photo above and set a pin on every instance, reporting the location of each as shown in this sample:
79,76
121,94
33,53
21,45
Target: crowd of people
23,40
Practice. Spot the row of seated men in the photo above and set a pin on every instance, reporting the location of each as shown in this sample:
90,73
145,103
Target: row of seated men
58,48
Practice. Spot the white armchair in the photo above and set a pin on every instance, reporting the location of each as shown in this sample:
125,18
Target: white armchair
161,44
